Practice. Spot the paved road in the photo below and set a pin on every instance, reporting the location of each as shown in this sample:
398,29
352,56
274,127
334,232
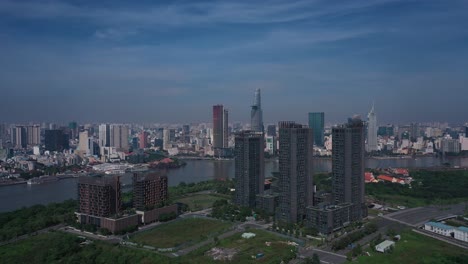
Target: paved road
326,257
110,239
416,217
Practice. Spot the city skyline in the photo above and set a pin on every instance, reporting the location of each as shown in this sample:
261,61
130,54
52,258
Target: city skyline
127,62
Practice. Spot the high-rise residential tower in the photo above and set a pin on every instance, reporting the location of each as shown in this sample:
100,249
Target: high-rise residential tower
56,140
19,137
99,195
372,131
295,181
167,144
143,138
348,167
256,115
34,135
104,135
317,123
119,137
220,127
149,190
249,167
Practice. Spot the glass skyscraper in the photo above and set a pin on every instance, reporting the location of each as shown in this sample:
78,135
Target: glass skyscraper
317,123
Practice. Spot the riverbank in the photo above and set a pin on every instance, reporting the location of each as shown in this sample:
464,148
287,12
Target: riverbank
9,183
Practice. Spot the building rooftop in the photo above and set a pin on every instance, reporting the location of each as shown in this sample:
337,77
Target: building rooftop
440,225
386,244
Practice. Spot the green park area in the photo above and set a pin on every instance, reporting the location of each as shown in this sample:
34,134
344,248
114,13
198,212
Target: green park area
415,248
272,248
427,188
189,230
199,201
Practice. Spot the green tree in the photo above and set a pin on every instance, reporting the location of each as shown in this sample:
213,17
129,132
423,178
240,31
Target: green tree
315,259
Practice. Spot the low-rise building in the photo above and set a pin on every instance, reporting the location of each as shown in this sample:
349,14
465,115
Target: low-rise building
384,246
329,218
439,228
267,202
459,233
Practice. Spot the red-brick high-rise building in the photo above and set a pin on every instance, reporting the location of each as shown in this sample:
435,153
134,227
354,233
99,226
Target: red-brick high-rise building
99,196
149,190
143,139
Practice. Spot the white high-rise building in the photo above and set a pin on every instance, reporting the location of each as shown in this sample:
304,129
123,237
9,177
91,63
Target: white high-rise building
104,135
372,131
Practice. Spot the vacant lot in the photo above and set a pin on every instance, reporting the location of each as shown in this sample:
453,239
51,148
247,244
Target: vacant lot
416,248
199,201
176,233
274,252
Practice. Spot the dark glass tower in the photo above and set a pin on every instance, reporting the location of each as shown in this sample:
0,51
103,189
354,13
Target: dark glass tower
295,181
249,167
256,115
317,123
56,140
220,127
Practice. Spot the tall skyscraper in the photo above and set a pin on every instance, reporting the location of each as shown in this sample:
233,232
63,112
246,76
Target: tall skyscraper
249,167
99,196
149,190
317,123
167,144
295,181
348,167
143,139
220,127
19,137
73,126
56,140
34,135
256,114
83,143
119,137
271,130
372,131
414,132
104,135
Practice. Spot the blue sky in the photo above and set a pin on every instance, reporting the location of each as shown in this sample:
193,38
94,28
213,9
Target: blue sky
121,61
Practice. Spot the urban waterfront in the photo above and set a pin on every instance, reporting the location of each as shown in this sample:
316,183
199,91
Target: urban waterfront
16,196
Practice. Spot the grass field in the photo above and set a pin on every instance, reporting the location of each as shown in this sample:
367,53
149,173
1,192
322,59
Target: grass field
199,201
414,248
275,253
179,232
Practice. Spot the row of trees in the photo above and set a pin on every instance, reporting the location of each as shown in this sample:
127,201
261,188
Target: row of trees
183,188
355,236
224,210
427,185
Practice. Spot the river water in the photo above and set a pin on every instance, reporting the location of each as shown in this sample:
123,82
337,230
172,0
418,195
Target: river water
17,196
